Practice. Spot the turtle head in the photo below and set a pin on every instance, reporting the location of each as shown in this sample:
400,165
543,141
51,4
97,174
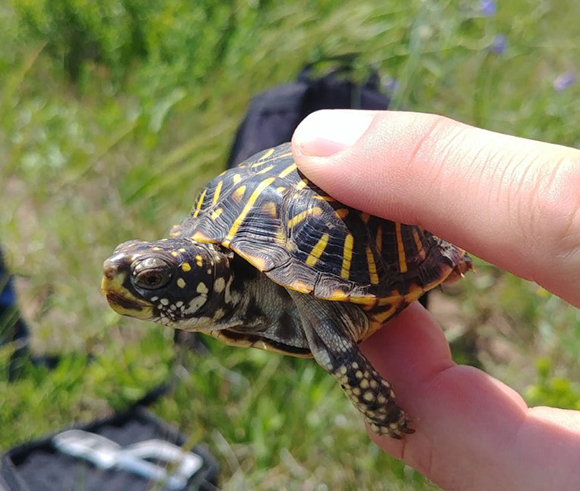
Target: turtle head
172,281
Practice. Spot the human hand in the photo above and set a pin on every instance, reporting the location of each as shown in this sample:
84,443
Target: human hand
510,201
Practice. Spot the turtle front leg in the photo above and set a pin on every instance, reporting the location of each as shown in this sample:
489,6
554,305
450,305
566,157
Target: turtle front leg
332,329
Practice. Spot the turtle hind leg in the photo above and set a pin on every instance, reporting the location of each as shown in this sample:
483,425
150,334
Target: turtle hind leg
332,330
372,395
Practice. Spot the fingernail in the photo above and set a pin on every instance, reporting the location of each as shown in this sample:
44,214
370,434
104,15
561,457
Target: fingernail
325,133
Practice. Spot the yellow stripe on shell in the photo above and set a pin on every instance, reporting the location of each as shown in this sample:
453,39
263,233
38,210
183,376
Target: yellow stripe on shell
379,239
338,295
302,184
201,237
238,194
373,276
317,251
269,209
324,198
199,203
296,219
300,286
241,217
265,169
268,153
347,256
287,170
217,192
216,213
419,244
258,262
401,249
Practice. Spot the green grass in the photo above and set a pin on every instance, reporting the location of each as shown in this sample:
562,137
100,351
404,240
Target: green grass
119,150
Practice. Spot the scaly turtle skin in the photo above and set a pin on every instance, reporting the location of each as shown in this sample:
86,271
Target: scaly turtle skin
266,259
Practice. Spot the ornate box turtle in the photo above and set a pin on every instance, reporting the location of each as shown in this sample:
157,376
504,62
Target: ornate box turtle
266,259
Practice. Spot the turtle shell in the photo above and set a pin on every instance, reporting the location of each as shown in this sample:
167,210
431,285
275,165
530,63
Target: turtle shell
266,211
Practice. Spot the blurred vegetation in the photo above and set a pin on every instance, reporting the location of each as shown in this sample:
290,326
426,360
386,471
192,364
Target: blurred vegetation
113,114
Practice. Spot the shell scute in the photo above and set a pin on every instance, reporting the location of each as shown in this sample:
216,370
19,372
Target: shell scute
304,240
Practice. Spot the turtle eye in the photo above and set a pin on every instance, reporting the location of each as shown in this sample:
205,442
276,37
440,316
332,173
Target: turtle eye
152,279
152,273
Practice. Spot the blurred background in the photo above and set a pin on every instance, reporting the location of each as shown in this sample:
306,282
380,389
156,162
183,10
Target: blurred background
113,115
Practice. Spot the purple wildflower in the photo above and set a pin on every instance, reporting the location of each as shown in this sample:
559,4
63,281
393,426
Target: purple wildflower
499,44
391,85
564,80
487,7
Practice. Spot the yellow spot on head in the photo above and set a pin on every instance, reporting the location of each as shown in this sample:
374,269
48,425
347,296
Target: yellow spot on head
219,285
199,260
181,249
202,288
368,396
174,253
186,267
180,282
237,178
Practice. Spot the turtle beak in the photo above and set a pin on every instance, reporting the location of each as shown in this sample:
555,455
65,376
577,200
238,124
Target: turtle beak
120,298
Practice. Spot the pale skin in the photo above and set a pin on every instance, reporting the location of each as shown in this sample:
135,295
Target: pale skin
511,201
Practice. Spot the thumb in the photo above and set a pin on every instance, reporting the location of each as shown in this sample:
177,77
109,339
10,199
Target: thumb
511,201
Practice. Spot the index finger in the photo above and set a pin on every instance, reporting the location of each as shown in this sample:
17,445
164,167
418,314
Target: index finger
511,201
